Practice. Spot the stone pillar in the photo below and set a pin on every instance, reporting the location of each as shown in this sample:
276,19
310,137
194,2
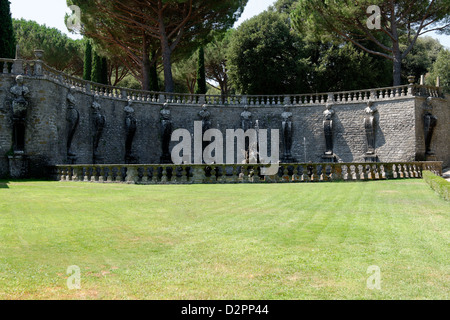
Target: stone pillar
17,67
199,174
18,166
132,175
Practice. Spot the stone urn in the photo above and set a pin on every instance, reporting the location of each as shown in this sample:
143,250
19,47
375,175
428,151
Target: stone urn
39,54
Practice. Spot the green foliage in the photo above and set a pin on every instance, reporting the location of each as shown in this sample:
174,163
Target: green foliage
7,38
104,71
264,56
130,82
87,70
96,68
185,74
441,69
230,242
216,61
60,52
345,67
201,76
422,57
283,6
438,184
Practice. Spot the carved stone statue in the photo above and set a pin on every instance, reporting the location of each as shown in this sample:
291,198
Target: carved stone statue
370,128
206,123
99,125
246,124
206,118
246,119
328,129
73,119
130,129
286,131
166,134
19,108
430,122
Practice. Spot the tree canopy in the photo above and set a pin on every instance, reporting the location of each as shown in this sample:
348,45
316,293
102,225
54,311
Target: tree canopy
137,27
7,39
441,69
263,56
60,52
402,22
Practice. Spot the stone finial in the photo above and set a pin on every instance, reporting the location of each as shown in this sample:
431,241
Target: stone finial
411,80
17,52
39,54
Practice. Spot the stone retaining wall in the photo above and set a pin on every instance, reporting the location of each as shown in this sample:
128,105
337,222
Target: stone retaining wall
398,122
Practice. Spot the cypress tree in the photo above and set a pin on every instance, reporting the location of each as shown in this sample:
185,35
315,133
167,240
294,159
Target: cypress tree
104,71
87,71
96,75
7,38
201,75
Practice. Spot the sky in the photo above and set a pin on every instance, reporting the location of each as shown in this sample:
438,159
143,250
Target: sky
52,12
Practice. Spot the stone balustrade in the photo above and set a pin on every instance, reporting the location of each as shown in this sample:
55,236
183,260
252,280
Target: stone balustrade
39,69
244,173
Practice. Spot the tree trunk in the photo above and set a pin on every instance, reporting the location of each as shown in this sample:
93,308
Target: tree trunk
145,66
167,64
397,72
154,86
396,53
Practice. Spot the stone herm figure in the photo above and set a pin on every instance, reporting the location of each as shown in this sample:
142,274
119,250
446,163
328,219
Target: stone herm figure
73,119
206,118
130,129
246,124
99,125
19,108
166,134
286,131
430,122
19,103
369,125
206,122
328,129
246,119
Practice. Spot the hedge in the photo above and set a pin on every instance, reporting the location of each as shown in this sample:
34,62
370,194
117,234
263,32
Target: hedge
438,184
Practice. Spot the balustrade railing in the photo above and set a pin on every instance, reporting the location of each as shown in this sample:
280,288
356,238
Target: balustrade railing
38,68
244,173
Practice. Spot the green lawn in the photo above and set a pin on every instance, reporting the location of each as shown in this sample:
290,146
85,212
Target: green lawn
277,241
